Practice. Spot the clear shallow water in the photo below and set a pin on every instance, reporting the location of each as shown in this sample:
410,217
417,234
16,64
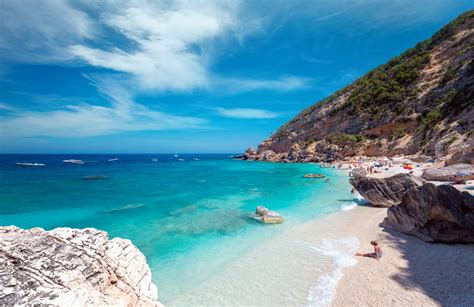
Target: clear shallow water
188,217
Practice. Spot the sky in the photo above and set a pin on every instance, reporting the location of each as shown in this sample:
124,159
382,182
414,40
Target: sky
136,76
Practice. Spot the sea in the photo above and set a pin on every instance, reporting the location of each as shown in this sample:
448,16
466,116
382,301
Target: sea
187,213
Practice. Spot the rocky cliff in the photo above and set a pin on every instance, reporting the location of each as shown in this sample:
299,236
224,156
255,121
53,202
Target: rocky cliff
421,102
385,192
68,267
434,214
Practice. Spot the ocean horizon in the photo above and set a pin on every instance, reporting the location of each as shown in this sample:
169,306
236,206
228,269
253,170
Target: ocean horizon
188,213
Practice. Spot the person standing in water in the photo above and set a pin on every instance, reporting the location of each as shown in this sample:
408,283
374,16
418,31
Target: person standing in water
377,254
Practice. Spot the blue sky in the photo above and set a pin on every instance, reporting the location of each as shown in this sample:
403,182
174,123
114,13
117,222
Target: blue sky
187,76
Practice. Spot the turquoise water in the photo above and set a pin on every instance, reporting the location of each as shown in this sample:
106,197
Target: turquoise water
190,218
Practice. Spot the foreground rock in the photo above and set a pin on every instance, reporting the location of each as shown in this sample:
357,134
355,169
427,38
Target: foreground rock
385,192
68,267
434,214
445,173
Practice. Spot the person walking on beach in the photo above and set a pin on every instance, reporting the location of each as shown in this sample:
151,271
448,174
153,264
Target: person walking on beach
377,254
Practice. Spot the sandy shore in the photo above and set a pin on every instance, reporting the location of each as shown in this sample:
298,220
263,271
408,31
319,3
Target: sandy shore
411,272
313,264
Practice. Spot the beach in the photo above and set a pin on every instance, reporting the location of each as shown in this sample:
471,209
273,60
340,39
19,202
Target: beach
294,269
411,272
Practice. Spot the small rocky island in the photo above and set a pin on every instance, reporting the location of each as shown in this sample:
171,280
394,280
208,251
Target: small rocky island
313,176
68,267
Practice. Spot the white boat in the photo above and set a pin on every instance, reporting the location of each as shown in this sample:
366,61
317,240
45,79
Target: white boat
180,159
175,156
29,164
154,160
112,160
73,161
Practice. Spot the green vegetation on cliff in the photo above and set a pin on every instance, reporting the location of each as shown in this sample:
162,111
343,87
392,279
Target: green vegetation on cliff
405,106
385,90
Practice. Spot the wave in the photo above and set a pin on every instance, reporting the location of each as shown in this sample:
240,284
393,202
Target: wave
341,251
348,206
125,208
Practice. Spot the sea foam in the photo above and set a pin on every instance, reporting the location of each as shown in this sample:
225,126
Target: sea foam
341,251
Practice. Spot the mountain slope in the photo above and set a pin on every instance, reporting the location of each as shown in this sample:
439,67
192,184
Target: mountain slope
421,102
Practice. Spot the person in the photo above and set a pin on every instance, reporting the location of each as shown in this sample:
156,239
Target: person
377,254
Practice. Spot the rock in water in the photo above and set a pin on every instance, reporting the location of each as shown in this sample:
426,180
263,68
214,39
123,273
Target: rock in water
434,214
313,176
267,216
68,266
444,173
385,192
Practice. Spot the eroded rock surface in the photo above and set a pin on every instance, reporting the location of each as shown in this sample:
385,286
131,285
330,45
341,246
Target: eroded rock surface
68,266
385,192
444,173
434,214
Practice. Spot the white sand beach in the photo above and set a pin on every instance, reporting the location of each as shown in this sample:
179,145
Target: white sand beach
314,265
411,272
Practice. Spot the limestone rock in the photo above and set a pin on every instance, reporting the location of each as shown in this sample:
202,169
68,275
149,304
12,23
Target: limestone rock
294,153
68,267
434,214
444,173
267,216
249,154
385,192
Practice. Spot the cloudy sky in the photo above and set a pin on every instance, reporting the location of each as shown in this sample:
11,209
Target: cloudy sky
187,76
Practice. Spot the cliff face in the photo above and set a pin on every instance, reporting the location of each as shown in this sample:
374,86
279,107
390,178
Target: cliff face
68,267
421,102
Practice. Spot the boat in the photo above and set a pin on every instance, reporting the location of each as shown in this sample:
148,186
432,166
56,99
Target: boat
180,159
175,156
112,160
29,164
154,160
73,161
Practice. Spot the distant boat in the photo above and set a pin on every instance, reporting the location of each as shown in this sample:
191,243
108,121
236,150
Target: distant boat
73,161
176,156
154,160
180,159
112,160
30,164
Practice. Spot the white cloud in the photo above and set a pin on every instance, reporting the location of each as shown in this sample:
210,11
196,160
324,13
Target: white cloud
38,31
162,45
285,83
85,120
168,40
245,113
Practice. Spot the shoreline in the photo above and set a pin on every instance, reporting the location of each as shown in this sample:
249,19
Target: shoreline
411,272
290,268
